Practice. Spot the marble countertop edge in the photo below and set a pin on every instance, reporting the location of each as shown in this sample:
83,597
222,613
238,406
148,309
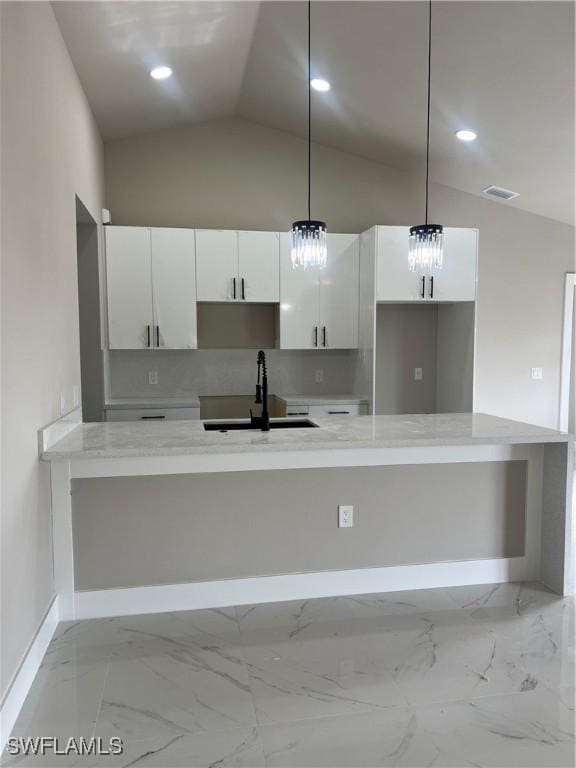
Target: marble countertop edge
119,440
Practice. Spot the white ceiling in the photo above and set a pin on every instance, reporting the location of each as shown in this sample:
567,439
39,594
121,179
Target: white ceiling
505,69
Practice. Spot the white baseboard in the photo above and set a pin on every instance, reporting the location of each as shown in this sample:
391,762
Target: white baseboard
300,586
22,682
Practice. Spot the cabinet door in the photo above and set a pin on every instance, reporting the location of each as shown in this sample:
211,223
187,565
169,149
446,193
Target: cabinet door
259,266
216,265
299,302
394,280
174,288
456,281
129,287
339,293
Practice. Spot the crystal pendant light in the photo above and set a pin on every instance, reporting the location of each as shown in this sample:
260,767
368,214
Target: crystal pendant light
426,248
309,241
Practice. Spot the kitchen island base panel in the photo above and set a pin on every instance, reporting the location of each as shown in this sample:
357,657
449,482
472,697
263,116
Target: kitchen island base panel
189,596
140,531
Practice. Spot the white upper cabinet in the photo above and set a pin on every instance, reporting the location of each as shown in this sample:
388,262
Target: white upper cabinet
259,266
339,293
299,301
319,308
150,275
237,266
174,288
456,281
394,281
129,287
217,265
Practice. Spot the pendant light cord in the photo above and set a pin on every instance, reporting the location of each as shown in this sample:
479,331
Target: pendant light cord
428,109
309,111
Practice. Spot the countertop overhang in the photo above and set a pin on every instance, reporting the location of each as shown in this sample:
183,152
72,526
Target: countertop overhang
117,440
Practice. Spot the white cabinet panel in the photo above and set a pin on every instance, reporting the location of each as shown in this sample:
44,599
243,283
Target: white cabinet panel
321,411
339,293
394,280
299,302
258,266
216,265
129,287
456,281
174,288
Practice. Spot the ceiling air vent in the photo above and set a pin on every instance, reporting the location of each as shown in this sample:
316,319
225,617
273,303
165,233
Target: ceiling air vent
500,192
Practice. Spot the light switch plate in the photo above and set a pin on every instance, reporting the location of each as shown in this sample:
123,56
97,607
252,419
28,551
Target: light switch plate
345,516
536,374
417,374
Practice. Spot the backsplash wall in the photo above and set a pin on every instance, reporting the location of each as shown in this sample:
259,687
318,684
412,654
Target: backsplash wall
229,372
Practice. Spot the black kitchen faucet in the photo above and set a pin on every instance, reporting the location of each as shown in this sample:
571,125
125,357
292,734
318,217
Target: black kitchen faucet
262,421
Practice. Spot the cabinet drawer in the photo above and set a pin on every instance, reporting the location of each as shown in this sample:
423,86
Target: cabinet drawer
152,414
297,410
334,410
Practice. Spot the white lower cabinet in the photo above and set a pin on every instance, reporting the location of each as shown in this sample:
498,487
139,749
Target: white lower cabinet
319,308
152,414
456,281
151,288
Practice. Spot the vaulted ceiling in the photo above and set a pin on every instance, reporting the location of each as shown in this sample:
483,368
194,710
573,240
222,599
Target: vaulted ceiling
505,69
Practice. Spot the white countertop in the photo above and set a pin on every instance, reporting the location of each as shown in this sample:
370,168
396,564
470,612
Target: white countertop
181,438
322,399
168,401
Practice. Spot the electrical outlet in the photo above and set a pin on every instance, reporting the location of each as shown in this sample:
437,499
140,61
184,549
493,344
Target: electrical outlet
536,374
319,375
417,374
152,377
345,516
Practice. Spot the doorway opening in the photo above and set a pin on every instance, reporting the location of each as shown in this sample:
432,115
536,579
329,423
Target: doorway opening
91,355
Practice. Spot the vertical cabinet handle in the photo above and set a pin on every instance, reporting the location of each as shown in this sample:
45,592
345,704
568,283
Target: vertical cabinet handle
233,287
423,291
315,335
148,336
432,286
243,290
324,336
157,335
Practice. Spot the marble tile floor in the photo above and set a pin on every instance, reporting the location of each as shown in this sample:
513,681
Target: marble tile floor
470,676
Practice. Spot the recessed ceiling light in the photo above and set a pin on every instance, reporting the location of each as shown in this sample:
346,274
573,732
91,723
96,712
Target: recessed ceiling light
319,84
466,135
161,73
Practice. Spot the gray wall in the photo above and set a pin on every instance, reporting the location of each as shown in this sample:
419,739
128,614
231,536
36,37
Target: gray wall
162,530
51,152
236,174
455,358
405,339
89,300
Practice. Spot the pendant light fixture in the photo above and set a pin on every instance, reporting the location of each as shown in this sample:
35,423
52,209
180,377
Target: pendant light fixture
425,250
309,242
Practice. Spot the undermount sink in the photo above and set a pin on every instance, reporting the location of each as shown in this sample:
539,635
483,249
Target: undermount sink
225,426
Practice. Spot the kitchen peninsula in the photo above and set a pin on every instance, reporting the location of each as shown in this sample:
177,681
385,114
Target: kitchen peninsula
170,515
